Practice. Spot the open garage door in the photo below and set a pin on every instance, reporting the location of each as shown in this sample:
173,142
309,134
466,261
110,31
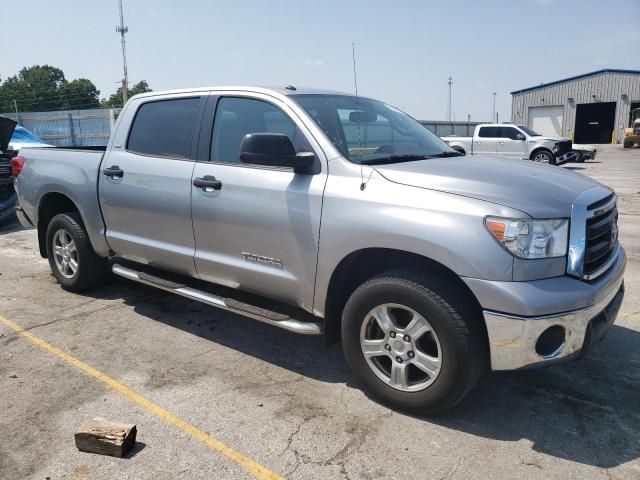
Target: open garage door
547,120
594,122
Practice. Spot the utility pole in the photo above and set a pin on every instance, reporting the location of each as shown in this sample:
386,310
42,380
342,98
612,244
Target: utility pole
122,30
449,111
15,104
493,113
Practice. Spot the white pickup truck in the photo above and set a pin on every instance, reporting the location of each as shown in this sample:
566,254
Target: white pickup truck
514,141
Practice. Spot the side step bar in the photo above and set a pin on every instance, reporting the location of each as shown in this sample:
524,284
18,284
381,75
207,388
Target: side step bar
262,315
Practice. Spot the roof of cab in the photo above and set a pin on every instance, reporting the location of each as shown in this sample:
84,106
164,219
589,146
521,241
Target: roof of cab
284,90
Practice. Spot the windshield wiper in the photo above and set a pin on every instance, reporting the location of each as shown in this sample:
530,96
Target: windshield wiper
394,159
446,155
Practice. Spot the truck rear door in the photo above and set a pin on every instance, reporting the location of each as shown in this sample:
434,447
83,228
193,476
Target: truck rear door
145,182
258,229
485,141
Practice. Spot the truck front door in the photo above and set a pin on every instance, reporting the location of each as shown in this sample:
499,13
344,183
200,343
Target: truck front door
145,183
512,143
486,141
258,229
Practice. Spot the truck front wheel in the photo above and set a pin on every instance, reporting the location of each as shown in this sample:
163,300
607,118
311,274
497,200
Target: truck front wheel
543,156
413,341
71,257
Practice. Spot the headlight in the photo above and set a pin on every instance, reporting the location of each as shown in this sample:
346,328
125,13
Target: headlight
555,148
528,238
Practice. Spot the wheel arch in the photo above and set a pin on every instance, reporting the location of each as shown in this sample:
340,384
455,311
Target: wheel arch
540,149
50,205
361,265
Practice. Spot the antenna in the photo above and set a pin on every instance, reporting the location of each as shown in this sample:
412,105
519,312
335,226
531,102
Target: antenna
363,184
122,30
355,76
449,111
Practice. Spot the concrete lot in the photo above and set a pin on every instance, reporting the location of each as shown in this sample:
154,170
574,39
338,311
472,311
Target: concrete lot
286,401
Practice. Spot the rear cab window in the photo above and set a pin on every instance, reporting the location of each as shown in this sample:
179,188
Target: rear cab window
488,132
164,128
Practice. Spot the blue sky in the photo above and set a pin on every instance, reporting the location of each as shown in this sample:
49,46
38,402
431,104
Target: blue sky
405,49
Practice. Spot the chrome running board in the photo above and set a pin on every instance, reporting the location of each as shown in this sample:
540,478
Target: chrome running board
262,315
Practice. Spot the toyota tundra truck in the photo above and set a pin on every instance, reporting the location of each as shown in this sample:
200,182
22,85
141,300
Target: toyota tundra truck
331,214
516,141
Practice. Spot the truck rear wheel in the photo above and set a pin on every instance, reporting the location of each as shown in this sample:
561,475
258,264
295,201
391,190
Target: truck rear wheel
413,341
71,257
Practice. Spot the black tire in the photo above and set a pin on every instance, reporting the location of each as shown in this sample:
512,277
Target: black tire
550,157
92,270
459,330
627,144
580,157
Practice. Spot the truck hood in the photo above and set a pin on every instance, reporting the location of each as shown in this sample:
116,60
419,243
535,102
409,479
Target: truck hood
541,191
574,146
7,126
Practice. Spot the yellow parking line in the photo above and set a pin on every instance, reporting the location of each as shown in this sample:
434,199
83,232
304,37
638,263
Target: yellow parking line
249,465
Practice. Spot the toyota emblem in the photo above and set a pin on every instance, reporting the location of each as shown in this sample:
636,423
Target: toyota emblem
614,232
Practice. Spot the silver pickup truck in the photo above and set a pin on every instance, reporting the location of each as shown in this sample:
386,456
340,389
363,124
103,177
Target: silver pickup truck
327,213
519,142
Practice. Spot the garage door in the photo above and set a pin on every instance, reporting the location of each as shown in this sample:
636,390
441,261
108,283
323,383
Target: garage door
547,120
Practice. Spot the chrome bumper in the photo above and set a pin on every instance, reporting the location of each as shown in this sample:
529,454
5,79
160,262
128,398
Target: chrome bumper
512,339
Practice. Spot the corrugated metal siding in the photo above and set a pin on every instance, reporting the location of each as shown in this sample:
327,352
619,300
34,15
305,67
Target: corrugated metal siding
607,87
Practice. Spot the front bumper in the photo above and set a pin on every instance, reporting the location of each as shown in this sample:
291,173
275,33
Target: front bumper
582,311
514,340
567,157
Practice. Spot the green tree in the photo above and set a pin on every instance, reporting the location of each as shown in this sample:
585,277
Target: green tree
79,94
43,87
115,100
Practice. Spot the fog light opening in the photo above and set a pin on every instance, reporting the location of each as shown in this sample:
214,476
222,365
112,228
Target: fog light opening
551,342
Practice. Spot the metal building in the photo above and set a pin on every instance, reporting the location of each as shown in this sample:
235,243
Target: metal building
590,108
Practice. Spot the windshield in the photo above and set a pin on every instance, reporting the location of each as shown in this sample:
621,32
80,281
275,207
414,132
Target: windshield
369,131
528,131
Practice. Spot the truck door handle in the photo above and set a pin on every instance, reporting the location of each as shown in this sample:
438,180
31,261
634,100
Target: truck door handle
113,171
207,182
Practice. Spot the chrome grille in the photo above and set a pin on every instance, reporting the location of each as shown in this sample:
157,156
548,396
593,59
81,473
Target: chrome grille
593,237
601,238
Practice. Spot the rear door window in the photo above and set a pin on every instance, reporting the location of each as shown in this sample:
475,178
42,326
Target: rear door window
488,132
164,128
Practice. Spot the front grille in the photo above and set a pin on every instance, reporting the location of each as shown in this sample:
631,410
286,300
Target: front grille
601,236
564,146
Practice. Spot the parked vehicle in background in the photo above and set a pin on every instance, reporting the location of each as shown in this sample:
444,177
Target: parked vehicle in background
323,212
13,137
632,134
584,152
513,141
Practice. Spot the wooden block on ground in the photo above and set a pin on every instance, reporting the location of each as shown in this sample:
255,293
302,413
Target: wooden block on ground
106,438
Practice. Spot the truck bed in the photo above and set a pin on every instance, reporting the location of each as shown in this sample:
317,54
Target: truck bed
70,171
